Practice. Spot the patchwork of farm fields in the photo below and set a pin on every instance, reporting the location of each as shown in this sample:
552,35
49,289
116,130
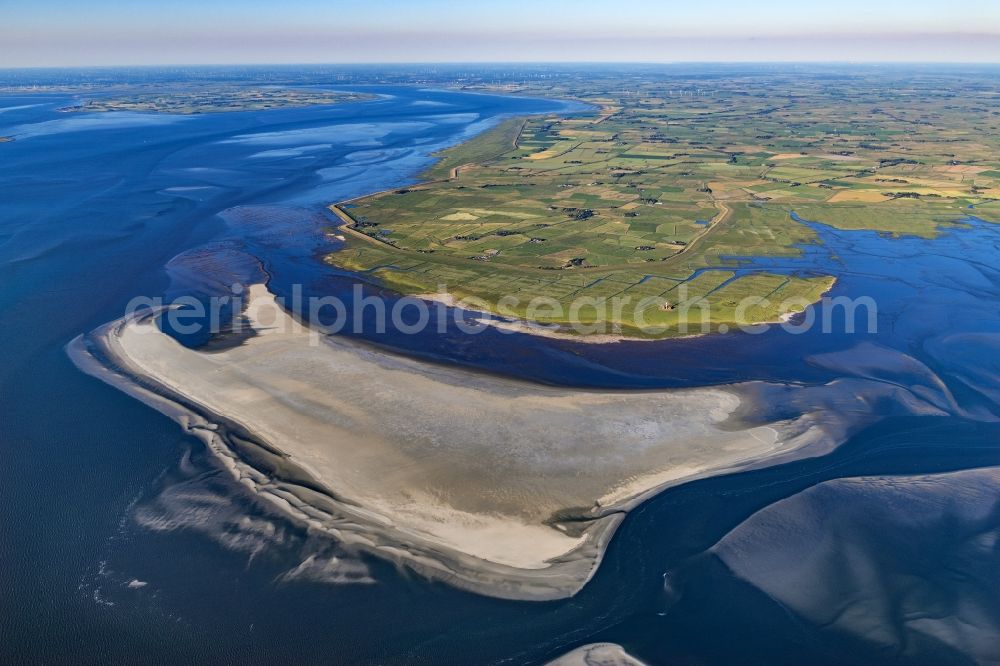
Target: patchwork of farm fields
651,198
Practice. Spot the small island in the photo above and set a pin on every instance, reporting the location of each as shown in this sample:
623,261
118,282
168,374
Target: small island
216,99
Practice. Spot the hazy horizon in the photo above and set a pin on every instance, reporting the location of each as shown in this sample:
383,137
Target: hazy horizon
569,64
59,33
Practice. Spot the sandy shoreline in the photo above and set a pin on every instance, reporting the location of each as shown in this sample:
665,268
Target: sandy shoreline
498,486
596,654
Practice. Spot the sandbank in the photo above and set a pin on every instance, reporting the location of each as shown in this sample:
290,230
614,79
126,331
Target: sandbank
499,486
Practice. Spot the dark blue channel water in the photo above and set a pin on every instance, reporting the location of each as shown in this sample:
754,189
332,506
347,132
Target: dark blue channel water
121,542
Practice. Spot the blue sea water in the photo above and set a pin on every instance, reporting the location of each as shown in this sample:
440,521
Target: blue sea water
121,542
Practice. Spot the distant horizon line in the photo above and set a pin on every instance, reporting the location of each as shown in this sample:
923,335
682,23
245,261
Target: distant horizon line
483,63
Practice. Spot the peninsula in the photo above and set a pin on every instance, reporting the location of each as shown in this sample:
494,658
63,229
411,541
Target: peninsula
659,196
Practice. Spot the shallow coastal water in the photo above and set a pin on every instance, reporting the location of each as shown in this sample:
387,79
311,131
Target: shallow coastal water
122,541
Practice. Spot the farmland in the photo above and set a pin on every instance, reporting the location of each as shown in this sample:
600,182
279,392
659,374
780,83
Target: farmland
648,197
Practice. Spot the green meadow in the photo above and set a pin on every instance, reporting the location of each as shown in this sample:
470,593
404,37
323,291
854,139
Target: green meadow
644,199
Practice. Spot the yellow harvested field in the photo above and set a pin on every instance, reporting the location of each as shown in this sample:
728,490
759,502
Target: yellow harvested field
866,196
932,191
584,134
965,168
460,217
652,149
520,215
729,195
555,151
567,254
736,185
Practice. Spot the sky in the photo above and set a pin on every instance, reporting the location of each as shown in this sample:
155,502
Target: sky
137,32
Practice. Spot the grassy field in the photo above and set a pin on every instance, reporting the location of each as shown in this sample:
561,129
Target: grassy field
646,198
489,145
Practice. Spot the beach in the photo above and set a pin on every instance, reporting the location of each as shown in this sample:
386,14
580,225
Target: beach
503,487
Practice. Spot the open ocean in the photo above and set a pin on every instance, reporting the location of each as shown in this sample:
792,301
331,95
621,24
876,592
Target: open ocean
120,541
